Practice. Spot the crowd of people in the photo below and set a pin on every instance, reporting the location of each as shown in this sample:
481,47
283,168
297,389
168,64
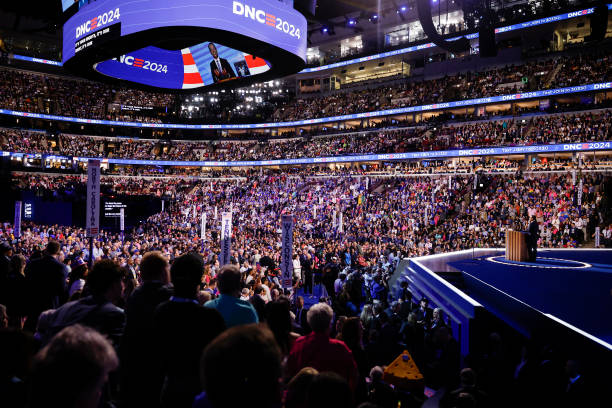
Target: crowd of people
349,234
151,316
542,129
414,215
39,93
496,81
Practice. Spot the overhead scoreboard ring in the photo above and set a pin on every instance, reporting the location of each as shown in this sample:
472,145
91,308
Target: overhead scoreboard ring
166,46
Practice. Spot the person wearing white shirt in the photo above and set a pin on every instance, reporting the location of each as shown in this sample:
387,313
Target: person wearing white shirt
297,267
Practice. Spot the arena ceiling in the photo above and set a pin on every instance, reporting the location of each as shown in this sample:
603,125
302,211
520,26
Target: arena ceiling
45,16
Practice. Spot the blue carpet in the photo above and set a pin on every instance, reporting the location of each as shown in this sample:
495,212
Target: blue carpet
318,291
581,296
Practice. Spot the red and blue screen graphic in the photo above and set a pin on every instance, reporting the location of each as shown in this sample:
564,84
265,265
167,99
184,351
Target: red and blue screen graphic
192,67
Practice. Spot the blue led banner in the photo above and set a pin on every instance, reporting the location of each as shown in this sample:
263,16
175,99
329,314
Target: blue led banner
37,60
441,154
388,112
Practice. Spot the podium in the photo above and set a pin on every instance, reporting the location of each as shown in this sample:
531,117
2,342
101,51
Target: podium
516,246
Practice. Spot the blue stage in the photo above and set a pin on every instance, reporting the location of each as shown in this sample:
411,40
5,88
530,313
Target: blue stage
572,286
318,291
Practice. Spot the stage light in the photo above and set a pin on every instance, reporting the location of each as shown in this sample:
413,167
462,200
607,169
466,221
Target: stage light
324,30
374,18
401,11
351,22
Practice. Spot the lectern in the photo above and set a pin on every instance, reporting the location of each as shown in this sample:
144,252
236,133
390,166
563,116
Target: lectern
516,246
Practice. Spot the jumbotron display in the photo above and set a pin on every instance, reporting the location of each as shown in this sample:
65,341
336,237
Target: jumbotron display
186,45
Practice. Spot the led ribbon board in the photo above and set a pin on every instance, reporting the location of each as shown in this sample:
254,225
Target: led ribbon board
603,86
185,44
436,154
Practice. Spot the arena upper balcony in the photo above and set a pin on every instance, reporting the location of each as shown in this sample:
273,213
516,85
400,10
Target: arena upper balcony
31,100
533,134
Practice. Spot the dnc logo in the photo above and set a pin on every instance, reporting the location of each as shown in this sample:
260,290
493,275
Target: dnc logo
97,22
142,63
262,17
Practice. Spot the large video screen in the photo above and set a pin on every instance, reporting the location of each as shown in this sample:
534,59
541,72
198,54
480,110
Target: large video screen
66,4
183,44
193,67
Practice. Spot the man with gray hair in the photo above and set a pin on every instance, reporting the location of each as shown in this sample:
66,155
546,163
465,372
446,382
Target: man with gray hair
319,351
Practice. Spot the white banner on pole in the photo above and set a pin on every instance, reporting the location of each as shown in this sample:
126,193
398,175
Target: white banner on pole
450,182
287,250
340,223
215,213
93,198
597,234
580,192
17,220
314,211
203,226
226,238
573,177
163,205
334,216
122,219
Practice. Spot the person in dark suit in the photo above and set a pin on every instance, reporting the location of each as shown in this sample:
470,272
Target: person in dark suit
17,292
98,311
532,239
306,262
300,313
184,328
46,284
138,370
576,393
258,303
468,386
219,67
406,298
423,313
6,252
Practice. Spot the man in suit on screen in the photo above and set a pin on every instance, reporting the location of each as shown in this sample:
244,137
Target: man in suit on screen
219,67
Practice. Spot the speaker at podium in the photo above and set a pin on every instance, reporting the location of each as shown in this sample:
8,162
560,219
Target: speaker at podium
516,246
